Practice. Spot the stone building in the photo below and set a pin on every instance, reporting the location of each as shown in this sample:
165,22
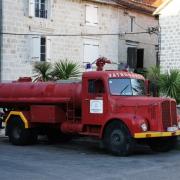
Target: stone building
169,21
78,30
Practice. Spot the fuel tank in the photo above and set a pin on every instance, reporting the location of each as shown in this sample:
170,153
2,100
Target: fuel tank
28,93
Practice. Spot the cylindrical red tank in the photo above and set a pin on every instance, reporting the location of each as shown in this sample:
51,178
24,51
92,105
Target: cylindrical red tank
17,93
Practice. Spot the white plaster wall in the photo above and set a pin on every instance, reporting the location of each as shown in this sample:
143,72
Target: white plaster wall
68,16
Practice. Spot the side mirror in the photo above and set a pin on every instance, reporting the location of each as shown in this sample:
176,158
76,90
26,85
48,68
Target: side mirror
147,84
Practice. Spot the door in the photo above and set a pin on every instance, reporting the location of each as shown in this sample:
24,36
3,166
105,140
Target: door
140,58
132,57
94,100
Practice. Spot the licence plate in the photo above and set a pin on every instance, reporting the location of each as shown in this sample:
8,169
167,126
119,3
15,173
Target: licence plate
172,129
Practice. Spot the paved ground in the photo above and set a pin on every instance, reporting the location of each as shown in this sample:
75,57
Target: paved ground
83,160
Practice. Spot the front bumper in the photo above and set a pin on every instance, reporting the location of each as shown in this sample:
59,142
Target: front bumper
152,134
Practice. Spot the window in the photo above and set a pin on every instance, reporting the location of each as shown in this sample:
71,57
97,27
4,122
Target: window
91,50
95,86
135,58
91,15
157,55
39,8
132,57
132,19
127,87
41,48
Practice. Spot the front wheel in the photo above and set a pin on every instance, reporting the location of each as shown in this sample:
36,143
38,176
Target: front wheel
117,139
163,144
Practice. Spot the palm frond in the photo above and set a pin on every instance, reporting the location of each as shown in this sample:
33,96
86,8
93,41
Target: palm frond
169,84
42,71
65,70
153,73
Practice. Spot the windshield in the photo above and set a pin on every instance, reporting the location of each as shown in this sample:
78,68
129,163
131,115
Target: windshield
127,87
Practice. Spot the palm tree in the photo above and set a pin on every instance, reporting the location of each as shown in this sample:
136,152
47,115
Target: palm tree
169,84
65,69
43,71
153,74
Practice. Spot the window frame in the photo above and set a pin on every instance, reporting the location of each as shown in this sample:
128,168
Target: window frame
41,45
48,5
39,3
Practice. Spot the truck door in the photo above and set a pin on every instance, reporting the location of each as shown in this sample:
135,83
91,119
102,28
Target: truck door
94,100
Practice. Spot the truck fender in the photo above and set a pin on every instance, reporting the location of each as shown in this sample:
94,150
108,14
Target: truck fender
17,114
131,122
110,121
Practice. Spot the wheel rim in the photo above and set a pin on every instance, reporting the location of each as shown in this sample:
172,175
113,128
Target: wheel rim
117,138
16,133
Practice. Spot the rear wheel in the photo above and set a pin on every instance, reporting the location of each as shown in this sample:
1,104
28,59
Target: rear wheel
18,135
117,139
163,144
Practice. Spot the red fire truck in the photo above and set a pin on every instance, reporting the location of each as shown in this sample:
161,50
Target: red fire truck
113,106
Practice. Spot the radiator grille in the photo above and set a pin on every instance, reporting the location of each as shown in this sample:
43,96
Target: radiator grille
166,118
168,114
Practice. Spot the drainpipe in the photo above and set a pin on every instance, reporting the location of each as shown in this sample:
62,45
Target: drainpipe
1,37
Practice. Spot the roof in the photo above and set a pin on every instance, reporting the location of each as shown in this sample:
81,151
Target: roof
143,6
157,3
162,6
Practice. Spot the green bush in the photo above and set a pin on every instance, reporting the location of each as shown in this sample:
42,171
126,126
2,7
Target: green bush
166,84
65,70
43,71
62,69
169,84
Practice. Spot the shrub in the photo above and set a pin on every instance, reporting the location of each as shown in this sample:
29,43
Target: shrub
65,70
43,71
62,69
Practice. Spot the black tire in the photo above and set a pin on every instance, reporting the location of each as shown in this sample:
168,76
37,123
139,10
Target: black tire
164,144
1,123
18,135
117,139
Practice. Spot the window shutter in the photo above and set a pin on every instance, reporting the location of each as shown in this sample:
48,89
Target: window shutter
95,15
91,15
35,48
31,8
91,51
50,9
48,49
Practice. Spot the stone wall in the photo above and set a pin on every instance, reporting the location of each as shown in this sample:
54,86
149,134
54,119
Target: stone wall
68,17
170,36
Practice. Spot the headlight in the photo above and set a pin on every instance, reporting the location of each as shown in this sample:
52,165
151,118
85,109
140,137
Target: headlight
179,124
144,127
